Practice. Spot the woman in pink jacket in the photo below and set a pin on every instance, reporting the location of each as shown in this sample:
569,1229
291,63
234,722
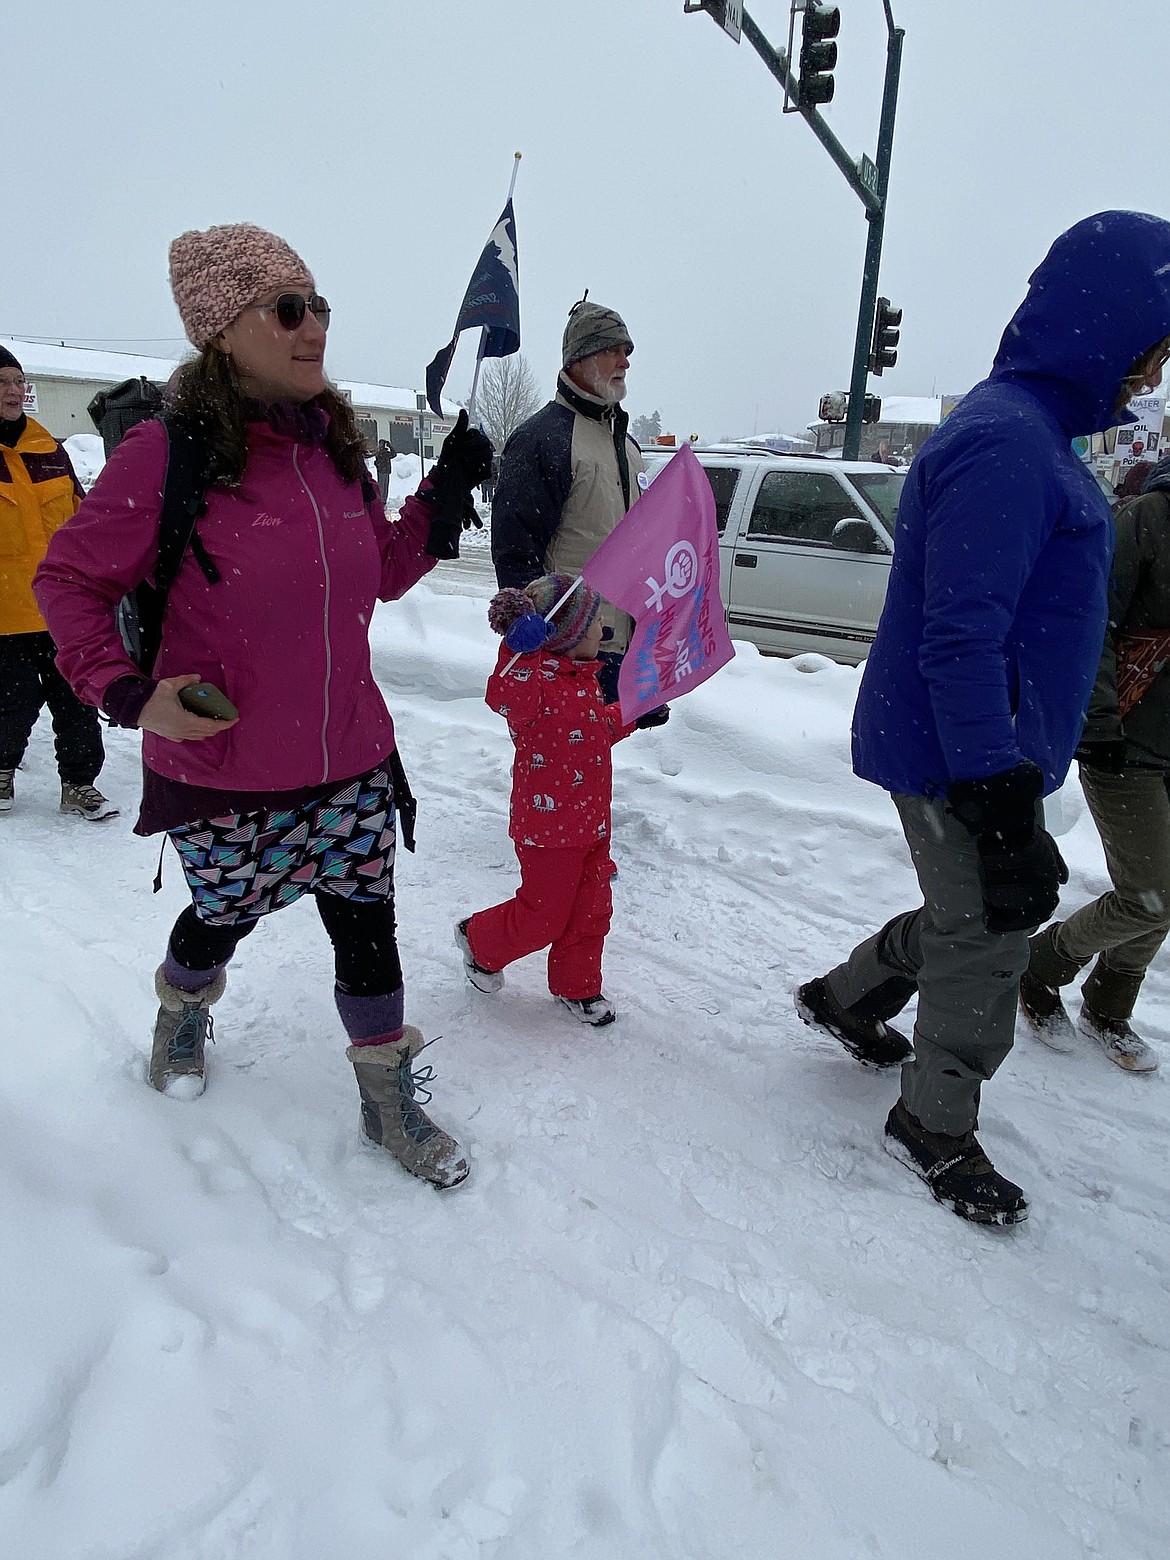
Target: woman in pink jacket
295,793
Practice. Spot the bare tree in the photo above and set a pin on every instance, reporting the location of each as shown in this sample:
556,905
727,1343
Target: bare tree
646,429
507,395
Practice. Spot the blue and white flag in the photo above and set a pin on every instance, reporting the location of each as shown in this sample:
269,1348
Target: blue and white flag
492,301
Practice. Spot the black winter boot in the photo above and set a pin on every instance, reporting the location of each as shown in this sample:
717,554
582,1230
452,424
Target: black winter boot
956,1169
862,1028
392,1116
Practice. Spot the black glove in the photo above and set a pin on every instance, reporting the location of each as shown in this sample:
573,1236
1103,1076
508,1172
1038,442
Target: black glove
1107,756
1020,868
652,718
1021,884
465,460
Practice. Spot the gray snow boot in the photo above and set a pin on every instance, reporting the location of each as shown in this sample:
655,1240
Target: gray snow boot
1040,985
392,1116
181,1031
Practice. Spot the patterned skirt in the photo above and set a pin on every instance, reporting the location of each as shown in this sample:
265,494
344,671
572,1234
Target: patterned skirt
248,864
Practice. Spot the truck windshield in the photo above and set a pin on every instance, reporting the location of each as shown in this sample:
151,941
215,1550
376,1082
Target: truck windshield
881,491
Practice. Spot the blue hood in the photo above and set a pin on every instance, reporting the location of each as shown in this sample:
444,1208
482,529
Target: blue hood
1098,300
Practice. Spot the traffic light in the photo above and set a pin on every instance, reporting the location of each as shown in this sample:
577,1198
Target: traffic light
872,410
834,406
884,353
818,56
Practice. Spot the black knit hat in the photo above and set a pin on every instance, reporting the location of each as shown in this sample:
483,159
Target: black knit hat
7,360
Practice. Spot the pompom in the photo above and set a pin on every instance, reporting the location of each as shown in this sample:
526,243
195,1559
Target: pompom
505,607
529,632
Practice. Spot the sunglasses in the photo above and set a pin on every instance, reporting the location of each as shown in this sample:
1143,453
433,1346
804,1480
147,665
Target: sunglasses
290,309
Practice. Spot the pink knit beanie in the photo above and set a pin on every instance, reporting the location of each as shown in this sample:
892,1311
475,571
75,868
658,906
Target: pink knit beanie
217,274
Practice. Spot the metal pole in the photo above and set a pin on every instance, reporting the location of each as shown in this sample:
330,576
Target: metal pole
873,248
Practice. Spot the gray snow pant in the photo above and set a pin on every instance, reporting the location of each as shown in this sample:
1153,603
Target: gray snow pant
968,978
1127,925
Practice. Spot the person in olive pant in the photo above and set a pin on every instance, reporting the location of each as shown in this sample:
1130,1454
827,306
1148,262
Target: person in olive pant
1125,771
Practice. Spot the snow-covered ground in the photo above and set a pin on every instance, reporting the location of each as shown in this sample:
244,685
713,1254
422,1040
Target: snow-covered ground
684,1309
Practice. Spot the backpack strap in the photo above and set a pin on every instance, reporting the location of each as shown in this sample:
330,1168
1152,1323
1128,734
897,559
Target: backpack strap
184,489
184,492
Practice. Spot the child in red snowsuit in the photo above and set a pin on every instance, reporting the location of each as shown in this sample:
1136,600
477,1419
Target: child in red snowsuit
562,779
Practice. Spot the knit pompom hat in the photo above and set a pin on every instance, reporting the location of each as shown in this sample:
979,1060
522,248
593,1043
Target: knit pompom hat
520,615
216,275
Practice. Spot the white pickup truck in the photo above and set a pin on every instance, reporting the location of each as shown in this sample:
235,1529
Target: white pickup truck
804,547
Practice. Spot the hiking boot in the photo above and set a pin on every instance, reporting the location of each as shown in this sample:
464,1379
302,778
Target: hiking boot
181,1030
1120,1043
1045,1013
861,1030
957,1171
596,1010
481,979
7,789
87,802
392,1116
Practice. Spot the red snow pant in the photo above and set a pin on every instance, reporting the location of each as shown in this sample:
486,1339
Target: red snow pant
564,903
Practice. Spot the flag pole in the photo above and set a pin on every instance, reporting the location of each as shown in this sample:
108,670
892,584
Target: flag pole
548,617
483,331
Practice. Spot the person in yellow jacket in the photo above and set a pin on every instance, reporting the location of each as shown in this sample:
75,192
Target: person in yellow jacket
38,493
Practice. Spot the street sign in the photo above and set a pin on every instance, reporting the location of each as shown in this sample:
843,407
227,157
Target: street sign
728,13
868,174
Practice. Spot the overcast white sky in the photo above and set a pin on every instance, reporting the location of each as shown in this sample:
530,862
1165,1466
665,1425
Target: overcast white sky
377,136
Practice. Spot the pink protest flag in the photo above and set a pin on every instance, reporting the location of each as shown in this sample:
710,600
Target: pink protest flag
661,565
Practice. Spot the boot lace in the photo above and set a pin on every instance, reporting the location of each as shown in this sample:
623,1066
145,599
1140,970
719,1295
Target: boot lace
195,1028
413,1082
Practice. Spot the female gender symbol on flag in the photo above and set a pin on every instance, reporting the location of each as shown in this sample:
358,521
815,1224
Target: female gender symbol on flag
661,565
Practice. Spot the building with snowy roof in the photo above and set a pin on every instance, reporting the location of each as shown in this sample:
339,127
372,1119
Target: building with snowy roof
905,423
63,380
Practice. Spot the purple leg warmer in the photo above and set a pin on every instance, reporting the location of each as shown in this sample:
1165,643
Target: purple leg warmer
183,979
370,1020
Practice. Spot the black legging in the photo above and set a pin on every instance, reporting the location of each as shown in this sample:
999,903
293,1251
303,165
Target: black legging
365,949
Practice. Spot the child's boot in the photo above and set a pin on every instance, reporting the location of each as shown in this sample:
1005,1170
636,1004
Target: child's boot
591,1010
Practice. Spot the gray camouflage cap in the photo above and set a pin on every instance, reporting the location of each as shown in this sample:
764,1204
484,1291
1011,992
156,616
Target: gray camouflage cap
591,329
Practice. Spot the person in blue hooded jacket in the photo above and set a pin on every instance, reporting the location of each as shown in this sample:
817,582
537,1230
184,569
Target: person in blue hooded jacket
974,695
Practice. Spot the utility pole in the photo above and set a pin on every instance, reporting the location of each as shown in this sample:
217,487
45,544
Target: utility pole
869,180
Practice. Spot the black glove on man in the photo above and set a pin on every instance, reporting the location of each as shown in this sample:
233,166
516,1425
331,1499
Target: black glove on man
1107,756
1020,868
465,461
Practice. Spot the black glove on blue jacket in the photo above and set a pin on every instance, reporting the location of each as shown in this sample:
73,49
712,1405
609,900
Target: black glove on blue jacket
1020,868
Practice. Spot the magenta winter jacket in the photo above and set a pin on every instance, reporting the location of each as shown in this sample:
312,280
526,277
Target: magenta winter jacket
302,557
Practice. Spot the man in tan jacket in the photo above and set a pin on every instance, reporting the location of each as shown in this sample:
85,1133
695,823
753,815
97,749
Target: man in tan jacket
570,473
38,493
